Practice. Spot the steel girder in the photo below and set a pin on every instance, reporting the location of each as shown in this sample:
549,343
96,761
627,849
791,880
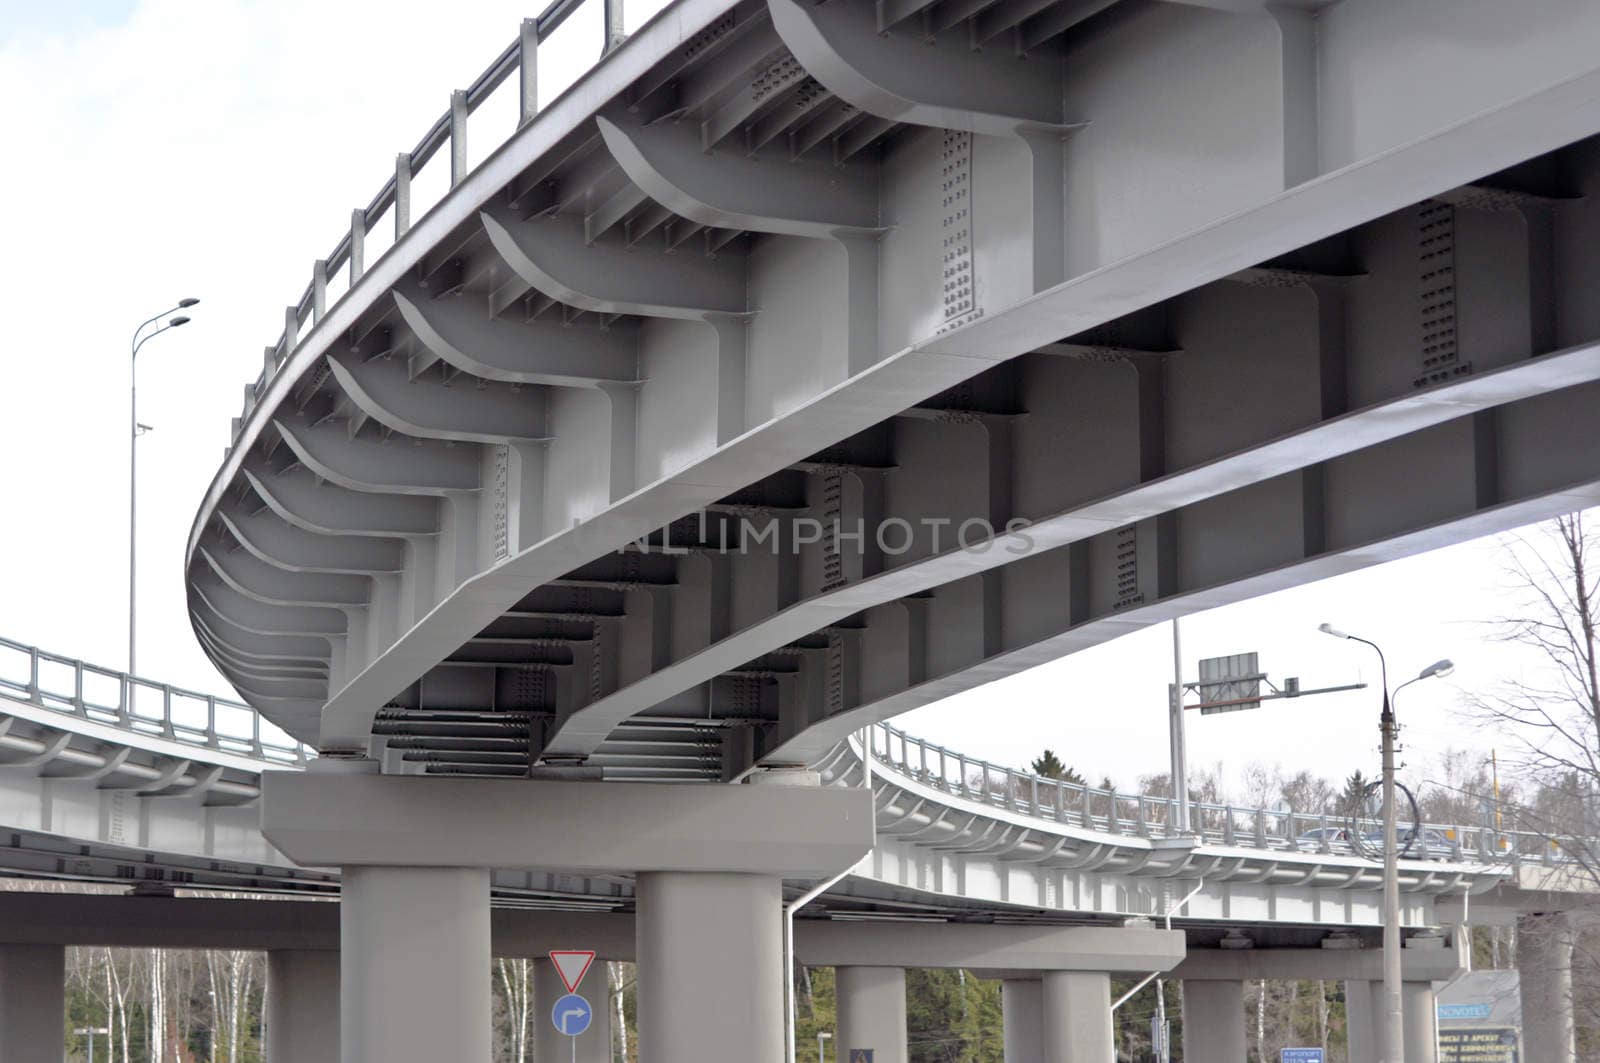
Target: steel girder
764,265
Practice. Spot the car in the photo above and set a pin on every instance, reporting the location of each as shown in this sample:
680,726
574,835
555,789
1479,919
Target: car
1433,845
1337,839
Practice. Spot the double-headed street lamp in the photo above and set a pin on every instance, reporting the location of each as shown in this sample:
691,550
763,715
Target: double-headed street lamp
135,429
1393,1026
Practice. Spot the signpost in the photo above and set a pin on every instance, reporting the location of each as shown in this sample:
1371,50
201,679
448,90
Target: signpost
571,1015
91,1031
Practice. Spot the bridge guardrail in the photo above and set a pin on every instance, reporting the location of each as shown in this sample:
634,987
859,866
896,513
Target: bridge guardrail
520,57
75,688
142,706
1145,816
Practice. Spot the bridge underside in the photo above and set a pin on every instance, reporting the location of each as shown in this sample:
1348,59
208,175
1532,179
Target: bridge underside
815,362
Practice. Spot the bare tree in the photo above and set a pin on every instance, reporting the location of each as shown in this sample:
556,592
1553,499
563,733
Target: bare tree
1548,716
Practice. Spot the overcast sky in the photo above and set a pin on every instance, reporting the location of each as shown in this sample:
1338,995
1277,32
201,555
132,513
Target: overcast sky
214,148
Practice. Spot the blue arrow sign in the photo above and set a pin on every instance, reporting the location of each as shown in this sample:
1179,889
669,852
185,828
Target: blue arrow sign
571,1015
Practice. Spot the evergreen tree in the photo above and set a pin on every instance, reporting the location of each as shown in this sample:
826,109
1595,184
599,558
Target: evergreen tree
1049,766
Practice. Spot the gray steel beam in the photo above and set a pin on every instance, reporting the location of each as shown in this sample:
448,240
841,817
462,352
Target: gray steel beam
294,549
490,412
460,331
388,466
734,191
551,255
943,82
299,497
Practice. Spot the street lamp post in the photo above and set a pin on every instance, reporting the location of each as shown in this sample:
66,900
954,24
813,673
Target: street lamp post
822,1035
140,338
1393,1046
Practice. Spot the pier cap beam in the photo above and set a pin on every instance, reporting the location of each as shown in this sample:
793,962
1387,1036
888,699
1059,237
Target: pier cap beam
351,820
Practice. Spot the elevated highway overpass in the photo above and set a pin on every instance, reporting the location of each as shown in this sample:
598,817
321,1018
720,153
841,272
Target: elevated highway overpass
111,781
804,363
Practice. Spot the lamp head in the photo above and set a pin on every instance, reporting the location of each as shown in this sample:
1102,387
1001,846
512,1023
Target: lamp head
1438,668
1329,629
184,304
179,320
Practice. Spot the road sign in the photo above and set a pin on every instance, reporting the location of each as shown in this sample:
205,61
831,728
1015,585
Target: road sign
1300,1055
1229,684
571,1015
861,1055
572,965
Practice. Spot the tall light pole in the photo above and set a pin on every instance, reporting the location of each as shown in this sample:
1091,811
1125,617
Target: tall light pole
822,1035
1393,1039
140,338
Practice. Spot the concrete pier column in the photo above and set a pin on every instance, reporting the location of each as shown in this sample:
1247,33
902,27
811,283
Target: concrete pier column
32,1003
710,955
1213,1021
1362,1012
1077,1017
594,1044
414,964
1022,1011
1420,1017
302,1020
1544,960
872,1012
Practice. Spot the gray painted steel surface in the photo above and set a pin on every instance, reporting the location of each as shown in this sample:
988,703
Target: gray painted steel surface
1211,296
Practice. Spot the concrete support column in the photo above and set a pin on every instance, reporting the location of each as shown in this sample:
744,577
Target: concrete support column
414,970
302,1020
594,1044
1022,1008
872,1012
1421,1022
1362,1013
1077,1017
33,1003
1213,1022
1544,960
710,955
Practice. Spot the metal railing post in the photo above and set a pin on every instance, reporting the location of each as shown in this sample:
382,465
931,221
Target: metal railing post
358,245
1228,835
291,329
613,25
458,137
402,194
319,289
528,64
211,722
33,673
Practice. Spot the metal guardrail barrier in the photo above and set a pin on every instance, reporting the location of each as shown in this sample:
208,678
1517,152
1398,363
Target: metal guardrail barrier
142,706
520,57
1135,815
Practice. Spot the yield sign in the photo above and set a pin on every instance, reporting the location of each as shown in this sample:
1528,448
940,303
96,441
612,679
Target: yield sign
572,965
